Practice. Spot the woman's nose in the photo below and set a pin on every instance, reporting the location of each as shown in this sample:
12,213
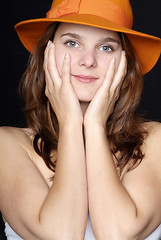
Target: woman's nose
88,59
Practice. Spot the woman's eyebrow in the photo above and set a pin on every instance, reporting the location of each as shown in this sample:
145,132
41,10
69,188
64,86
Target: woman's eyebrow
109,39
73,35
77,36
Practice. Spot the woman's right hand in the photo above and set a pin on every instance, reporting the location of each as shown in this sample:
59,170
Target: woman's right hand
59,90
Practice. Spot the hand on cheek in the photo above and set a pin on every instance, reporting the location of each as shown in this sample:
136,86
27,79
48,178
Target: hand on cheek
59,90
105,98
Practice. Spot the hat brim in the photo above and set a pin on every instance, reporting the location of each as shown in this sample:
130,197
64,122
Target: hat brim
146,47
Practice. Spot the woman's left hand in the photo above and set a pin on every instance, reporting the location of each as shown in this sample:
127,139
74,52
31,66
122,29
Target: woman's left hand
102,105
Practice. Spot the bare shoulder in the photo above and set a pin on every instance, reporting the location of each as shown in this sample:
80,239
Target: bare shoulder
22,182
152,144
12,139
15,145
16,149
153,128
17,135
151,149
144,182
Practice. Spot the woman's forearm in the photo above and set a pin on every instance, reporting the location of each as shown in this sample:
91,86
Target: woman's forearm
111,207
66,205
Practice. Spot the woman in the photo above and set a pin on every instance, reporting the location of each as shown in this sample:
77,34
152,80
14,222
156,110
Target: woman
85,150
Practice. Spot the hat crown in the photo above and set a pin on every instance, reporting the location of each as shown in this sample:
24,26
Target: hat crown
117,11
114,15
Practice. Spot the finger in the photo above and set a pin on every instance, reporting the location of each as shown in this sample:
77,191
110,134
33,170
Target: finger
66,69
110,74
45,66
51,65
45,57
121,72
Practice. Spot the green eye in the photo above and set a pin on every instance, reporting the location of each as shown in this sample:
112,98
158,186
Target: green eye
71,43
106,48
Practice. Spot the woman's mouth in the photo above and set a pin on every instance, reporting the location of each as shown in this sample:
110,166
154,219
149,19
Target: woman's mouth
85,79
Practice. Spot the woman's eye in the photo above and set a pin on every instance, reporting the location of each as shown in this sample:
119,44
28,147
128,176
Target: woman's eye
106,48
72,44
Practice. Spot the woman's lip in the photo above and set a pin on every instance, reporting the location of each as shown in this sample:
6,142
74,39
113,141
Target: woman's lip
85,79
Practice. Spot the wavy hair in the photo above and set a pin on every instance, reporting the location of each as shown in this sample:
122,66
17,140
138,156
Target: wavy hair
124,127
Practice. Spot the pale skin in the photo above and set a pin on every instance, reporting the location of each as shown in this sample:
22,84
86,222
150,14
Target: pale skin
86,178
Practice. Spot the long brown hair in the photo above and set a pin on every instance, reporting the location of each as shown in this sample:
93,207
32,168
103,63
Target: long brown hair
124,127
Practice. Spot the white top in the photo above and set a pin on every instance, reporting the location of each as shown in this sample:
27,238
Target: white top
11,235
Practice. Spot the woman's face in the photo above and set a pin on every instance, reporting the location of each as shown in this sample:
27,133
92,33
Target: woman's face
91,50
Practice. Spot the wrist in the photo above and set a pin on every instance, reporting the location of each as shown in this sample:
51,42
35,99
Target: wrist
93,130
70,126
70,121
93,125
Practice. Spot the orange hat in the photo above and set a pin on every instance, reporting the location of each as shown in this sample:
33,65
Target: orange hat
115,15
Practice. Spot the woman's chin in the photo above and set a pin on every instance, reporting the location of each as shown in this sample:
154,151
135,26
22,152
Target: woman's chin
85,96
85,92
85,99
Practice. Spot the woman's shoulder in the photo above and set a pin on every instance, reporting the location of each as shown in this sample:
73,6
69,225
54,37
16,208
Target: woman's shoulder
15,135
16,148
151,149
15,131
15,140
145,178
152,127
154,134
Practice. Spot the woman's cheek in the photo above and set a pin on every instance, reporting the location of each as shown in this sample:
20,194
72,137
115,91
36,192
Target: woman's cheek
104,64
118,58
59,57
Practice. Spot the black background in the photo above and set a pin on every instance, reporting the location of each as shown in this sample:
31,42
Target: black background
14,57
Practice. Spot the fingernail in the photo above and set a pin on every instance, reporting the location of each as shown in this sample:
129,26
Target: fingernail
113,60
50,44
67,55
123,53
